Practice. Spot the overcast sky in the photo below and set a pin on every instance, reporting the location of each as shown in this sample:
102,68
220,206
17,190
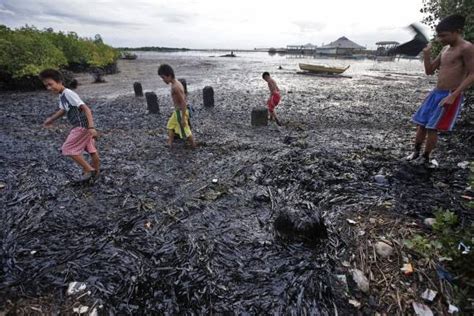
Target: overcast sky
220,23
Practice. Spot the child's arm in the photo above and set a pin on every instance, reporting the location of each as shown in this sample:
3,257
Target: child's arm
90,119
181,105
430,66
54,117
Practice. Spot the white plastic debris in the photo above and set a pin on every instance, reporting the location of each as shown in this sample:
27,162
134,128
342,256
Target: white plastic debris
354,303
81,309
215,180
465,249
361,281
453,309
352,222
422,309
76,287
463,164
32,252
429,295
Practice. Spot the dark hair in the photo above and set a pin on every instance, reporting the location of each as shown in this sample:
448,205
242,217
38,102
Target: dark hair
451,23
265,74
54,74
165,70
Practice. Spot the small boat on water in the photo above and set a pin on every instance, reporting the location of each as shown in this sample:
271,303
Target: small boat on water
128,56
321,69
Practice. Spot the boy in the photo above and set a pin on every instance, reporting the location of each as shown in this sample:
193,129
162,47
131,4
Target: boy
274,96
179,120
442,106
81,137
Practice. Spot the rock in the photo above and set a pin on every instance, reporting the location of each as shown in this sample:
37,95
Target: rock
381,179
429,221
185,85
208,96
137,88
383,250
301,224
361,281
259,116
372,220
152,102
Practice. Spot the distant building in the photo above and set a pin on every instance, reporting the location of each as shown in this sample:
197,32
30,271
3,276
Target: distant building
307,49
341,47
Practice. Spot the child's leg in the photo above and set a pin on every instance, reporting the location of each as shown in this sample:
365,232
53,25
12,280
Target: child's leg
170,137
95,161
79,159
431,140
419,139
192,142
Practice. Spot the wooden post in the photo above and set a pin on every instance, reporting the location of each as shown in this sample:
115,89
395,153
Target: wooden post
259,116
208,96
137,87
152,102
185,85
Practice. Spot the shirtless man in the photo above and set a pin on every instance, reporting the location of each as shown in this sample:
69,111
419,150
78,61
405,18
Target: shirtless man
442,106
274,96
178,124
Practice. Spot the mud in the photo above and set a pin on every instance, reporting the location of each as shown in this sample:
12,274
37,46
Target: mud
156,234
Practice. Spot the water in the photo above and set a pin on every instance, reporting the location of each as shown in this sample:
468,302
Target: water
242,73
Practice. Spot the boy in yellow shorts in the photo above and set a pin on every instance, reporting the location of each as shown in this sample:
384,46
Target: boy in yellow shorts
178,124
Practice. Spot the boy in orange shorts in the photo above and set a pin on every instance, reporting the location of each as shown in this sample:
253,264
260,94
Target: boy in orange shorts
274,96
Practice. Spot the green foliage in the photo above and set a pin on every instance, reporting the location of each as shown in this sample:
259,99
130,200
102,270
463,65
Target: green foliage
435,10
445,241
27,51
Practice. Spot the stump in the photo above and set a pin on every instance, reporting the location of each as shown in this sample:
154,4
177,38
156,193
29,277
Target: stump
137,87
299,224
259,116
185,85
208,96
152,102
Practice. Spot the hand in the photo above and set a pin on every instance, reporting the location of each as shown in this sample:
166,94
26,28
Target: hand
448,100
48,122
93,132
427,49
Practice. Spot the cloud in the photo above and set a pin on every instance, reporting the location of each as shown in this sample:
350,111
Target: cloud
309,26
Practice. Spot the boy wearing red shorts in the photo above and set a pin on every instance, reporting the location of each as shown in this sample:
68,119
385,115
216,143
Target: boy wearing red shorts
81,137
274,96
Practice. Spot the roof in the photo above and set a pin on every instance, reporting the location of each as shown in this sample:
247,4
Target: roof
343,42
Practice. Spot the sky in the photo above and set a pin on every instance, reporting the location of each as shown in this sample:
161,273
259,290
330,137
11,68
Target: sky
205,24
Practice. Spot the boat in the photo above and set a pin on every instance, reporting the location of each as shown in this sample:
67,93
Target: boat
128,56
322,69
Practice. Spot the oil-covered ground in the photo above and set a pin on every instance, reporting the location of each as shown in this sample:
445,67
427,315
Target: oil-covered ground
192,231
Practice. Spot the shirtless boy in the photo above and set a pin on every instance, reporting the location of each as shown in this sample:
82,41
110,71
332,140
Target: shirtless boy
178,124
455,65
274,96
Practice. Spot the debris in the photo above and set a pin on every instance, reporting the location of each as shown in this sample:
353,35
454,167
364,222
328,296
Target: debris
463,165
2,185
355,303
372,220
429,221
463,248
453,309
215,180
429,295
81,309
443,274
352,222
360,280
384,250
76,287
422,309
407,269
